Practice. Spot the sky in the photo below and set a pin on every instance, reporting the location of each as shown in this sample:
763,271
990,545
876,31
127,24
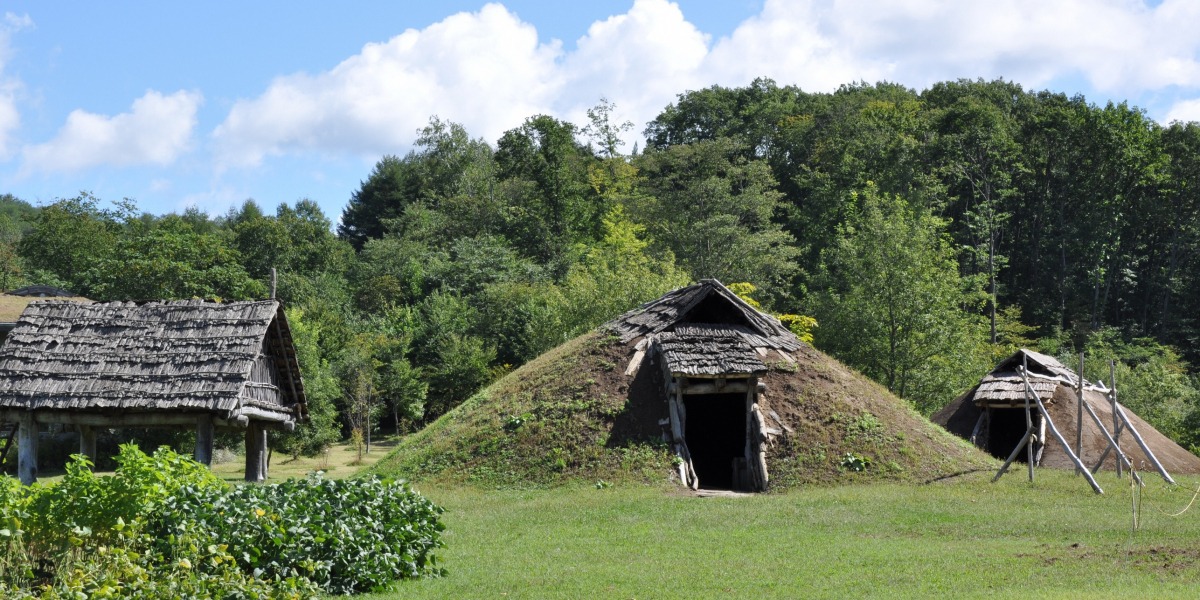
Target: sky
208,104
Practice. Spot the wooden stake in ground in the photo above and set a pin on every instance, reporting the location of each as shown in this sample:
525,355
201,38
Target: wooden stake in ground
1028,419
1079,413
1112,397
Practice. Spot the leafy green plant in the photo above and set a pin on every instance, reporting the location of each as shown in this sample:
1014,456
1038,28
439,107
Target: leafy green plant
163,526
854,462
344,535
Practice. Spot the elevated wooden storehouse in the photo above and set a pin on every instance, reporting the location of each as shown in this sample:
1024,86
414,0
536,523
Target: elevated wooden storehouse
711,347
992,416
186,364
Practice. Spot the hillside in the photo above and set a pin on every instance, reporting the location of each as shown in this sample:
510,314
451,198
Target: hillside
573,415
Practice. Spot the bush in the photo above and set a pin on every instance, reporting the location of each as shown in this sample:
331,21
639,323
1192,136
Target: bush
344,535
164,527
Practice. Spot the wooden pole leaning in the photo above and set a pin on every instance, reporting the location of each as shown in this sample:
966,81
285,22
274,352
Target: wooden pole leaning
1112,445
1058,436
1011,457
1137,437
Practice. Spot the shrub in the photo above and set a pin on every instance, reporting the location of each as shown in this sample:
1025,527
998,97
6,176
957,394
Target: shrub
164,527
345,535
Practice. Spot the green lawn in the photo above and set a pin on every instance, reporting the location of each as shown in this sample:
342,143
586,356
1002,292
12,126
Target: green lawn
967,538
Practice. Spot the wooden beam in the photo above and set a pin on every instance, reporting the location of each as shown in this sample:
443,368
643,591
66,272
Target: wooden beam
204,441
117,419
634,363
27,449
694,389
87,442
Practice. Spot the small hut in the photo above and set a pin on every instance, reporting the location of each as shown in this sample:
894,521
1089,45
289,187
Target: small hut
710,346
185,364
992,416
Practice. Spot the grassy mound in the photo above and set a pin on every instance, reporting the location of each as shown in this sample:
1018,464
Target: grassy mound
573,415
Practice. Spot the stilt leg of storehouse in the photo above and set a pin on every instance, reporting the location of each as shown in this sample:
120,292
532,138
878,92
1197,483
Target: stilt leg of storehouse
87,442
27,449
204,441
256,453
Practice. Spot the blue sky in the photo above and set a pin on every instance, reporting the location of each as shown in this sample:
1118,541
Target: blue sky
208,104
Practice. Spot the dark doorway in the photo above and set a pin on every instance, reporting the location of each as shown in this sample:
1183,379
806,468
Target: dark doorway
716,436
1007,427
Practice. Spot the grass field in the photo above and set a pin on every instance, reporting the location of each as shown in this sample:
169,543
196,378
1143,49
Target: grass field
965,538
341,461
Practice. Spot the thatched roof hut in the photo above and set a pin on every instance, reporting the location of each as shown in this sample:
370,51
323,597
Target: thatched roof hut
993,413
176,364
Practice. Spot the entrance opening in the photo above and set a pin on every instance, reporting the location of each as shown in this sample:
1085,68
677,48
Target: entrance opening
1006,429
716,436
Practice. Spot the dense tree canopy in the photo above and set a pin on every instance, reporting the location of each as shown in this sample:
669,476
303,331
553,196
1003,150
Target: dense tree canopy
928,232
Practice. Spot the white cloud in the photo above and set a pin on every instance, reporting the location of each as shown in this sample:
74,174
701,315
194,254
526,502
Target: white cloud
1119,46
10,87
1184,110
155,131
489,71
485,70
639,60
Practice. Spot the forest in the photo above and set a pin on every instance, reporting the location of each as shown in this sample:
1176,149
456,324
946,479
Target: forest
917,236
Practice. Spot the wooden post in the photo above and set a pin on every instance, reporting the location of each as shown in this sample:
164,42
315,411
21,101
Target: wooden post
1028,417
87,442
256,453
1112,398
204,440
27,449
1079,414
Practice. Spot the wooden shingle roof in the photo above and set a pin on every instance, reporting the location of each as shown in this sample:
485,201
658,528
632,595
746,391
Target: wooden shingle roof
188,356
708,350
1004,385
681,306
